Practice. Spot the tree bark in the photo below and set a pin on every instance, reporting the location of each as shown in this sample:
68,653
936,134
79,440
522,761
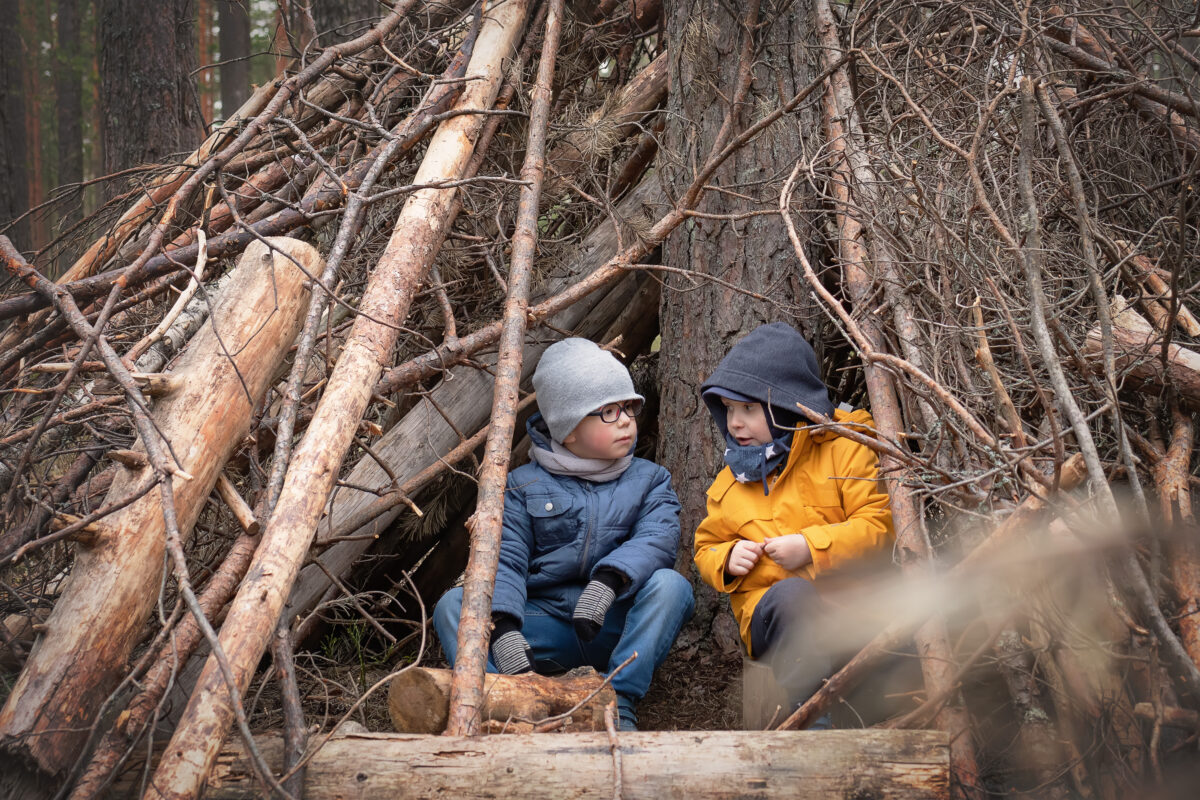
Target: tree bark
415,239
1175,497
116,578
904,765
234,43
701,319
338,20
147,55
419,700
68,101
13,197
1138,356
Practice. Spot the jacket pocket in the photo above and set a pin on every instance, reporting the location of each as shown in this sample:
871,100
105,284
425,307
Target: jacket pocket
553,522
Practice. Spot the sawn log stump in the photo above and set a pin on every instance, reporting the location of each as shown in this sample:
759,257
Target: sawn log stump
419,701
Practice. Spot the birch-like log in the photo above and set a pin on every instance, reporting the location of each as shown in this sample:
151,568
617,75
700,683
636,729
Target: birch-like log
393,282
466,691
115,580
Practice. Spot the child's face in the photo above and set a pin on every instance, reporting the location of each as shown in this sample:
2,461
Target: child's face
595,438
747,422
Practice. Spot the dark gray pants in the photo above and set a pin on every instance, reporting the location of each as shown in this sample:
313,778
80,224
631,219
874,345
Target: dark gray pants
783,634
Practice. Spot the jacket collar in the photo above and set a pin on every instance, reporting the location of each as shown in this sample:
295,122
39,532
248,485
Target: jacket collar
859,420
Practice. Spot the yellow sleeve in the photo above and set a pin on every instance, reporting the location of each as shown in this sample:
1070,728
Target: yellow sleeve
714,540
868,526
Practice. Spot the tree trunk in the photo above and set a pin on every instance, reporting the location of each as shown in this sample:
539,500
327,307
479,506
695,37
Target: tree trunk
234,43
68,100
34,25
701,319
13,198
147,56
116,578
904,765
419,700
339,20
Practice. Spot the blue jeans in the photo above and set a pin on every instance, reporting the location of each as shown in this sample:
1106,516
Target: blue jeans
646,624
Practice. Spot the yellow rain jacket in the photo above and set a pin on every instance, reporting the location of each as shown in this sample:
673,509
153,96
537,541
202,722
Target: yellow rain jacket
828,490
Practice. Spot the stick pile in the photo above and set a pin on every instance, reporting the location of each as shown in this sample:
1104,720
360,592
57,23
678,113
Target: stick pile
280,386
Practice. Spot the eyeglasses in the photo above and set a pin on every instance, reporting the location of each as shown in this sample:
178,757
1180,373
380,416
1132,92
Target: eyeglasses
612,412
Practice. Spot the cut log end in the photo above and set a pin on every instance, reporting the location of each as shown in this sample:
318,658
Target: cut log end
419,701
416,703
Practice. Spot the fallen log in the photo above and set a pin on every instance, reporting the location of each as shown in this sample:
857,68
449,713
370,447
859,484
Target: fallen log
419,701
1137,352
116,578
904,765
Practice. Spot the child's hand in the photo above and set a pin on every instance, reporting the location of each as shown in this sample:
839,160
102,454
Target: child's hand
743,557
790,552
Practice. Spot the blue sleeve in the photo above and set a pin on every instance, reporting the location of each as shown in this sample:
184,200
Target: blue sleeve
515,546
655,538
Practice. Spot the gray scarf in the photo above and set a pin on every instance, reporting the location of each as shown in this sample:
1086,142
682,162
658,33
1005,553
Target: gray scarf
558,460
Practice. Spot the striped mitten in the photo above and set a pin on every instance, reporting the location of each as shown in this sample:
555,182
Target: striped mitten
510,651
594,603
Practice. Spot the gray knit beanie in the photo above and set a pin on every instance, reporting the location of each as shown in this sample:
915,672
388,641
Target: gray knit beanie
574,378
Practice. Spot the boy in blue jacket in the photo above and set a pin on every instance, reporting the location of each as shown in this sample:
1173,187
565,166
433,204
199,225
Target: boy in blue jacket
590,534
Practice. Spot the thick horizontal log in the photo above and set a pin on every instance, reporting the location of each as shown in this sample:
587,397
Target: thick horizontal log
902,765
419,699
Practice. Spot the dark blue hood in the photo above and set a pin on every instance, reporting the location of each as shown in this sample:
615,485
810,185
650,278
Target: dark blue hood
774,365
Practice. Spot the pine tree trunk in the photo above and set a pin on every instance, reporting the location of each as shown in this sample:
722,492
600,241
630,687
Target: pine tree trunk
12,125
147,55
700,319
339,20
68,100
234,43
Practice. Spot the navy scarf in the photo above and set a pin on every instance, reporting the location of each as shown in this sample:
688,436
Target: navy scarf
754,462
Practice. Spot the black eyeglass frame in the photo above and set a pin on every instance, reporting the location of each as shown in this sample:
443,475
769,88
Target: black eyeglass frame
631,408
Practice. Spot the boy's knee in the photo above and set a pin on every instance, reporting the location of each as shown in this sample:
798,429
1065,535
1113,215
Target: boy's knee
447,610
791,594
668,587
786,604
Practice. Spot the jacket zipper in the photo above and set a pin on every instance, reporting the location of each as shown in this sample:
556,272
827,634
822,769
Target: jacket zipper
589,504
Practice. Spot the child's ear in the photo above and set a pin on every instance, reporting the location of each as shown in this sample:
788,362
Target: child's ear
570,438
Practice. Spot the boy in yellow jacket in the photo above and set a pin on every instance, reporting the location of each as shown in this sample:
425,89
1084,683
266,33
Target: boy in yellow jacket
792,504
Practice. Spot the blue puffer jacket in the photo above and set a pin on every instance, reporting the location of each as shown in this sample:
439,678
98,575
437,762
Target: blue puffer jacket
559,530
